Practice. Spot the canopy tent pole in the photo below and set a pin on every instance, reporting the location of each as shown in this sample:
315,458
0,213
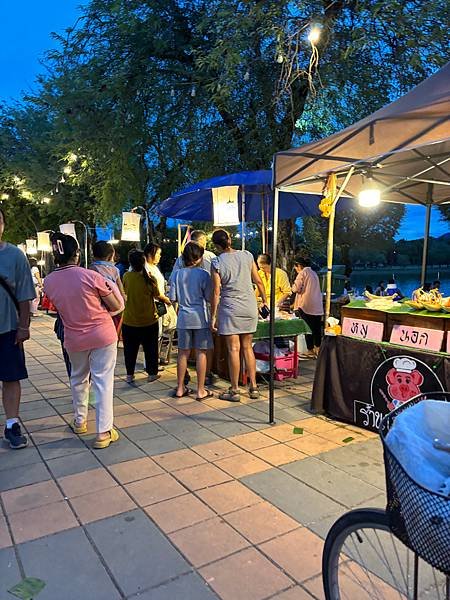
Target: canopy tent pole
330,248
273,266
330,243
243,217
263,225
426,236
179,239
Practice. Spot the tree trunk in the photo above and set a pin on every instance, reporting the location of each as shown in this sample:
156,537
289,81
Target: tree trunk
286,245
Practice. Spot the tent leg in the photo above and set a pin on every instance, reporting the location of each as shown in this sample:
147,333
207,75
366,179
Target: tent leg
426,236
243,218
263,225
330,246
272,307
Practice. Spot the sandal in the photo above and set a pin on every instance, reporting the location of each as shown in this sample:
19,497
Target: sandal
208,395
253,393
113,437
186,392
231,395
78,429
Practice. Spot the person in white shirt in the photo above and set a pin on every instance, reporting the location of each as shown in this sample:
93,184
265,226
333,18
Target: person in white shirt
200,238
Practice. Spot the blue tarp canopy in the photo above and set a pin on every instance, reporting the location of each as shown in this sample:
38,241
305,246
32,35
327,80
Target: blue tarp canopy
195,203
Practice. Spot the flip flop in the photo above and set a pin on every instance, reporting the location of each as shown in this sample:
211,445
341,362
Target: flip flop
208,395
186,392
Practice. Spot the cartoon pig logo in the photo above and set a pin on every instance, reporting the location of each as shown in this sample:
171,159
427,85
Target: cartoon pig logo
404,381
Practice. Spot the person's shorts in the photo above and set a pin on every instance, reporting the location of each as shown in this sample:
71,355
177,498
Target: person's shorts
12,358
199,339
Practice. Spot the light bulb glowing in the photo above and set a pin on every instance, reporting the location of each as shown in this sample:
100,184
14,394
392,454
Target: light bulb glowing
27,195
67,170
370,195
72,157
5,196
280,58
314,34
46,200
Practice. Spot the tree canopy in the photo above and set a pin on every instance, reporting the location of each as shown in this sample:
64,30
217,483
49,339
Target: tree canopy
151,95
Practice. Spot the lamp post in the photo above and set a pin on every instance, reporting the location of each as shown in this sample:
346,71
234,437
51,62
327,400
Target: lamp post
147,221
85,240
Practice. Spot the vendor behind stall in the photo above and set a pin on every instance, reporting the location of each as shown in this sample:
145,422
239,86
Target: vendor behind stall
309,303
282,285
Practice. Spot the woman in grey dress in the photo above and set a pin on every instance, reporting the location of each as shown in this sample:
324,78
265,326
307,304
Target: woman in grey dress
234,308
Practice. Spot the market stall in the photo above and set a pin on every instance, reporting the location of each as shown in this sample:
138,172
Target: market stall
398,154
384,357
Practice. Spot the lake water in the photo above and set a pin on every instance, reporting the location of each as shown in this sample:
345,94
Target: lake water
407,279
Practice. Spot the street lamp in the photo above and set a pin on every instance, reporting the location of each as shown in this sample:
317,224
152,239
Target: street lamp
147,221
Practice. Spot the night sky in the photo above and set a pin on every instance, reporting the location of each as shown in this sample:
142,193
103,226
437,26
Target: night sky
25,28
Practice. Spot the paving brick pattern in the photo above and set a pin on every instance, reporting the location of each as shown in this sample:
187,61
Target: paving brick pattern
196,501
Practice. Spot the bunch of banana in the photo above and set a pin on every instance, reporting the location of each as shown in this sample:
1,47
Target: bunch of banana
380,302
431,300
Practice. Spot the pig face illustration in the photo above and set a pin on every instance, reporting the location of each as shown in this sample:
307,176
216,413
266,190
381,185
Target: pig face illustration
403,385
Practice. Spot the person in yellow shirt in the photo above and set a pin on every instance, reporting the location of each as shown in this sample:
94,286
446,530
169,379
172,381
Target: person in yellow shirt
282,285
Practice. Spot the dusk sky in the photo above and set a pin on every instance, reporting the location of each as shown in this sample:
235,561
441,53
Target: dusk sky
26,26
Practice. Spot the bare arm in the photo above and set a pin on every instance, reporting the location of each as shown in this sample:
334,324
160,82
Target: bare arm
259,284
121,288
215,297
23,327
112,303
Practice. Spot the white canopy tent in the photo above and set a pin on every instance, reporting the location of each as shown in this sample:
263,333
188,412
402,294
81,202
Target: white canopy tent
404,147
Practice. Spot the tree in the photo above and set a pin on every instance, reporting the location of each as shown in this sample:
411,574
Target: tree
157,94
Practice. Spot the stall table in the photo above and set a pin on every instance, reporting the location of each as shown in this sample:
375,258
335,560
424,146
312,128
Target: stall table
359,381
283,328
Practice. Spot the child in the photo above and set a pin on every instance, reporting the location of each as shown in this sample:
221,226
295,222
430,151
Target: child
103,263
191,287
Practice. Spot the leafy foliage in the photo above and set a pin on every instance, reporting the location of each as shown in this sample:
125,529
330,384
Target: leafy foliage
151,95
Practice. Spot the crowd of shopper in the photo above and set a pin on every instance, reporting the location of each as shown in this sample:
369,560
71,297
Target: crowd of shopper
222,293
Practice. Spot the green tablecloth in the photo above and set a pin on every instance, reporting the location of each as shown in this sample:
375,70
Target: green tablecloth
283,328
401,309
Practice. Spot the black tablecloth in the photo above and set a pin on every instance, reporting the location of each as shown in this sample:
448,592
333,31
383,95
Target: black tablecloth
359,382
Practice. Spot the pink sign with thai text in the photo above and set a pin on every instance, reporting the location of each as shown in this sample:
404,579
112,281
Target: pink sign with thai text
364,330
417,337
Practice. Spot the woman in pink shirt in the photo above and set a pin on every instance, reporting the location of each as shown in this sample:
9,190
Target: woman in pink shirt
308,303
83,299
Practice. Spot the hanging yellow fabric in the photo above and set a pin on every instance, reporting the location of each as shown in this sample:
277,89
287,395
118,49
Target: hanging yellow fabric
329,194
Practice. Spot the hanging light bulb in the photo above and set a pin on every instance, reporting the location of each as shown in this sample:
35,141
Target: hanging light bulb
246,76
62,180
46,200
370,194
72,157
314,34
193,91
279,58
172,92
67,170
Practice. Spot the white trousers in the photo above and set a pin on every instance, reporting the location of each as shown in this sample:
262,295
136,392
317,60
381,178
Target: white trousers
99,365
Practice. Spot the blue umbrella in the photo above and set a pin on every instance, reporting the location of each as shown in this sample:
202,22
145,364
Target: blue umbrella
195,203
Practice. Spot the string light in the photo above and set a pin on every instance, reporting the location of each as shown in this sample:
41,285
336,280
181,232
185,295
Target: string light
72,157
5,196
314,34
27,195
46,200
67,170
280,58
172,92
62,180
193,92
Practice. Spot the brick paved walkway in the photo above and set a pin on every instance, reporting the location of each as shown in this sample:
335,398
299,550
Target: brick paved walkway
197,501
